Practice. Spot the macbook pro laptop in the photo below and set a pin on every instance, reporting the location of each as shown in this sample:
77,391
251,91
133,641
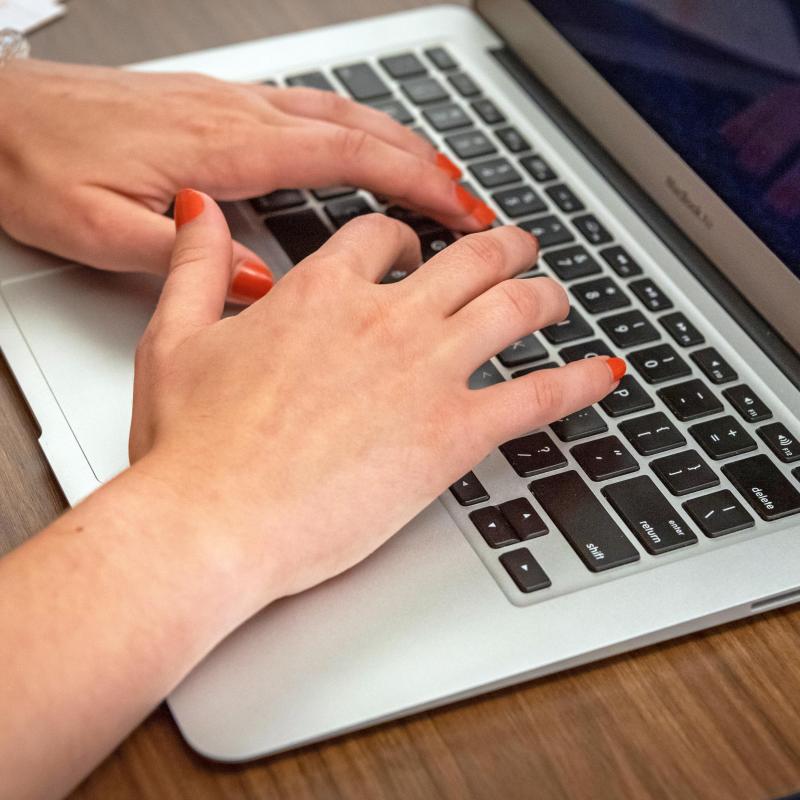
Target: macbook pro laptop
654,149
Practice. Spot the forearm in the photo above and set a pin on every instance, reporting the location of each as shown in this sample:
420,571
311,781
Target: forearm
101,615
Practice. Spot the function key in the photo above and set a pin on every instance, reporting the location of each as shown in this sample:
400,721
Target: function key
599,295
495,172
722,437
485,375
718,513
524,570
628,329
573,327
468,490
395,109
747,403
312,80
571,262
651,296
492,525
683,473
299,233
441,59
681,330
424,90
362,81
342,211
519,201
781,441
487,111
513,139
604,458
713,365
592,230
764,487
470,144
564,198
620,261
533,454
464,85
538,169
690,400
434,242
446,118
519,513
652,433
277,201
577,352
550,230
579,425
528,348
627,398
659,363
403,65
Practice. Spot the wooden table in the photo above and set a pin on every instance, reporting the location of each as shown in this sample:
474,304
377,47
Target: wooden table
715,715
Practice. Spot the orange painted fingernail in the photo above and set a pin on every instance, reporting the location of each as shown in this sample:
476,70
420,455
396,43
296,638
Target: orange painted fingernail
444,163
251,281
188,205
483,215
466,199
618,367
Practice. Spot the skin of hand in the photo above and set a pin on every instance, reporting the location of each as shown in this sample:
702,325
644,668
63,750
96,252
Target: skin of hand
93,157
271,450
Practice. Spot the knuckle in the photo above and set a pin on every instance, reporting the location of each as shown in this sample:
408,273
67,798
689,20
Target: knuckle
547,394
352,143
187,256
517,298
485,248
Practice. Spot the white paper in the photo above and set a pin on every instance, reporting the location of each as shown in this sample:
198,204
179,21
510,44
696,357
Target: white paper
27,15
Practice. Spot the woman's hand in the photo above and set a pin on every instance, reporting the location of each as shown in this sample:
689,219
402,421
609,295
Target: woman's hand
90,158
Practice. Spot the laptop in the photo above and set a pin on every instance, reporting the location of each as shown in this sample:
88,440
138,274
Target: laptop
644,144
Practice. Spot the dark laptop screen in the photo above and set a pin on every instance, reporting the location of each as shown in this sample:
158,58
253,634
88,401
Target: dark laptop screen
719,80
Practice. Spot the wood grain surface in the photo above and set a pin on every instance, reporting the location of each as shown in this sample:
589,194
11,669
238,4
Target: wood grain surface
715,715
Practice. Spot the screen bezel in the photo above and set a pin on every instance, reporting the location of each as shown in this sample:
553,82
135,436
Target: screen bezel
761,277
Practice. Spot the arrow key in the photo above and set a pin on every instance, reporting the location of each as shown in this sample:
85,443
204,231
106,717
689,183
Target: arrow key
524,570
527,524
494,528
468,490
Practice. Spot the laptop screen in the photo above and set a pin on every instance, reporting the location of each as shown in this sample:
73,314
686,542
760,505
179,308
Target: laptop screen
719,80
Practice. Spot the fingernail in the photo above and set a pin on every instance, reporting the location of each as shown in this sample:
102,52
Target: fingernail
444,163
251,281
466,199
481,214
618,367
188,205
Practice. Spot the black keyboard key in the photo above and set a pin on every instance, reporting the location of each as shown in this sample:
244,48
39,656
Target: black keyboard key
652,433
747,403
590,349
519,513
487,111
424,90
600,294
722,437
403,65
433,242
396,110
525,570
533,454
564,198
447,117
441,59
494,528
538,169
621,261
592,229
573,327
419,222
651,296
519,201
470,144
329,192
495,172
627,398
527,371
277,201
486,375
550,230
764,487
571,262
713,365
342,211
649,515
781,441
585,524
362,81
681,330
684,472
604,458
628,329
718,513
299,233
513,139
464,85
796,473
690,400
312,80
659,363
526,349
468,490
579,425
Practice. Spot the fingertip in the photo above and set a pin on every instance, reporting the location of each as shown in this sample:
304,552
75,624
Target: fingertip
189,204
618,367
447,166
251,281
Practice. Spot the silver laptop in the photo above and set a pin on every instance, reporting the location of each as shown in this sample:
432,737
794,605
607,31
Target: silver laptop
643,144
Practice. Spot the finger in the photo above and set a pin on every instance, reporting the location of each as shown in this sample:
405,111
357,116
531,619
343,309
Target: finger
370,246
470,266
506,312
523,404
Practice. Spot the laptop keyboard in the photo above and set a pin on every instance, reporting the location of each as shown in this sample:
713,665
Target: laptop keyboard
621,483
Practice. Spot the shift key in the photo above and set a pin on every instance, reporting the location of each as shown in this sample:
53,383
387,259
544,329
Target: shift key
585,524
